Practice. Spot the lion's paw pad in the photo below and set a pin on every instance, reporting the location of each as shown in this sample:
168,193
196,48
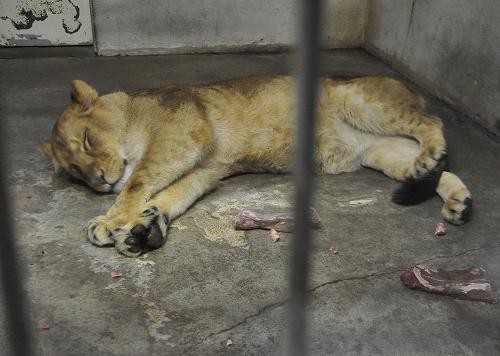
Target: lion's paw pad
141,239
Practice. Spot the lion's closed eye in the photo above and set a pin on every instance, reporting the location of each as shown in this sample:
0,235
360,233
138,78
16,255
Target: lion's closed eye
86,141
75,170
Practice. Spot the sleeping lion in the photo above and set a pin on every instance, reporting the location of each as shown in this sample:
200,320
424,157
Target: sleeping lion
162,149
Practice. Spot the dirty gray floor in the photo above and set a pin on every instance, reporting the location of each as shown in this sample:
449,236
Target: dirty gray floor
210,283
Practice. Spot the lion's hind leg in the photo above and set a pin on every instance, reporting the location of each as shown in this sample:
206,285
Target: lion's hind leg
385,107
395,157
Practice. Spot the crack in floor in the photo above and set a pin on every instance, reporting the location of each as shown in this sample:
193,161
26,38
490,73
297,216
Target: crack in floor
335,281
245,319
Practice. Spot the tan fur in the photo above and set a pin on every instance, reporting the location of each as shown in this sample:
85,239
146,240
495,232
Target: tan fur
164,148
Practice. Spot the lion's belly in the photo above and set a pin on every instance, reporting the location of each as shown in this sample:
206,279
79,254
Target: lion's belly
340,146
255,138
266,149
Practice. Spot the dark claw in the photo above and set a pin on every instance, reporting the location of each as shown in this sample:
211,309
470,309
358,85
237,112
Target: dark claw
138,230
150,212
135,249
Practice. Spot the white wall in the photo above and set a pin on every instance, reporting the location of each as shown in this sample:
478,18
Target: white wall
450,47
173,26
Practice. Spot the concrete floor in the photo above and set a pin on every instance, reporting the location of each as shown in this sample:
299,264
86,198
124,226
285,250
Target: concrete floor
210,283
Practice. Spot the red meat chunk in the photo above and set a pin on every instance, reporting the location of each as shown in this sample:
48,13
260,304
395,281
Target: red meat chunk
469,284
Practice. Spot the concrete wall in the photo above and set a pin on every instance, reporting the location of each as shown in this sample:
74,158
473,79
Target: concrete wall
450,47
173,26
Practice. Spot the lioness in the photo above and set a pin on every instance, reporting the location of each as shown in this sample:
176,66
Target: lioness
162,149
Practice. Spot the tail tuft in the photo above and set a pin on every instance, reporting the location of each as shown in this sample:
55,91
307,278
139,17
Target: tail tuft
416,190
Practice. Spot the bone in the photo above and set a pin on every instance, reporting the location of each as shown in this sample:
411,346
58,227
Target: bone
282,222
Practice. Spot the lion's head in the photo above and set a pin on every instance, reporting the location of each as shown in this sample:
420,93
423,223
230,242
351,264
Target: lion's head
87,139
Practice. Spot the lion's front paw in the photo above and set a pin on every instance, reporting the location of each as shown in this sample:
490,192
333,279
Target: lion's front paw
148,233
99,231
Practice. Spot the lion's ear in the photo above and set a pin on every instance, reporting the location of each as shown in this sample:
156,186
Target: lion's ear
83,94
46,149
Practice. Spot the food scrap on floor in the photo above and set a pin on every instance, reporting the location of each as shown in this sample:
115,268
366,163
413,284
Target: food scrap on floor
469,284
333,250
283,222
275,236
116,274
440,229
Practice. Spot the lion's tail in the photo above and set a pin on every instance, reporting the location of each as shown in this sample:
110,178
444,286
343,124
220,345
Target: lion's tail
416,190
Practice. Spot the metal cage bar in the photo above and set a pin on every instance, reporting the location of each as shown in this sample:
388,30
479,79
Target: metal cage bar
307,89
11,276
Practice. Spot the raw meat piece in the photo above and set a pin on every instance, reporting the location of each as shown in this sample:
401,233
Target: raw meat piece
440,229
116,274
464,284
275,236
333,250
283,222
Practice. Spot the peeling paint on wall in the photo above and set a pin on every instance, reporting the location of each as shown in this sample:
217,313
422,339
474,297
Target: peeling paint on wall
29,11
45,22
28,40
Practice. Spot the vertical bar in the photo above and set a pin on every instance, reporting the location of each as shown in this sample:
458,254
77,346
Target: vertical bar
15,300
307,88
